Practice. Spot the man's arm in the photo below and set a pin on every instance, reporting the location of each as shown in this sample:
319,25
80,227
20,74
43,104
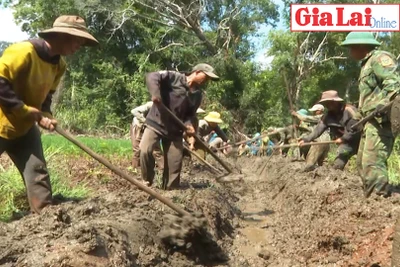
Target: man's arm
350,133
154,81
46,106
141,111
385,69
191,114
320,129
8,98
307,118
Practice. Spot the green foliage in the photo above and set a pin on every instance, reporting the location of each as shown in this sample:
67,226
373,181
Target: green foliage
3,46
106,147
103,84
394,164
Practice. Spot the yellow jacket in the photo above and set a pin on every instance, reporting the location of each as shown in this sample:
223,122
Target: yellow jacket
32,79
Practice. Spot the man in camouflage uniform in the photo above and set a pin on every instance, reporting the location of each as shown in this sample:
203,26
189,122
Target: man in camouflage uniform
285,136
339,120
379,82
316,154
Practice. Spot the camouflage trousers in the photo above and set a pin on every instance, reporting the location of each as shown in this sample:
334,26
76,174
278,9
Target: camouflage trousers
297,152
375,148
317,154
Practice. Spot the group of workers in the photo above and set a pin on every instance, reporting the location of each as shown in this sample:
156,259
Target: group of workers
30,72
372,141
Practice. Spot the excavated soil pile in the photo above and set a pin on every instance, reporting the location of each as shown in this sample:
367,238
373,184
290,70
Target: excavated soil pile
280,217
321,218
121,228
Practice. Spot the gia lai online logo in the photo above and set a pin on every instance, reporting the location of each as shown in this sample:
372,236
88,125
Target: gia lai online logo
345,17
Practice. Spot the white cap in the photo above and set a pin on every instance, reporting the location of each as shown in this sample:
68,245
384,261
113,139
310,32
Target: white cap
317,107
200,110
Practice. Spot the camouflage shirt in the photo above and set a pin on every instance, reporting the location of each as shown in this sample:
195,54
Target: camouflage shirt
378,81
309,122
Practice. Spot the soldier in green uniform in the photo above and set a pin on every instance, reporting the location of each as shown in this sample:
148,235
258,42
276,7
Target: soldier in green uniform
379,82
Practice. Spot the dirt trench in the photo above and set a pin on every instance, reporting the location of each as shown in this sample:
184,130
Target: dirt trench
281,217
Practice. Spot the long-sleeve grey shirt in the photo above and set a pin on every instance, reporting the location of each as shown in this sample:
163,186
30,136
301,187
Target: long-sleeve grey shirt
172,88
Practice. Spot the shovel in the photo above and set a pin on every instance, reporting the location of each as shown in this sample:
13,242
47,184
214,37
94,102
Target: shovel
230,177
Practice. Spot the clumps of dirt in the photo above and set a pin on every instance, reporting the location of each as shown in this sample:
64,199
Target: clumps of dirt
276,216
121,228
319,218
178,231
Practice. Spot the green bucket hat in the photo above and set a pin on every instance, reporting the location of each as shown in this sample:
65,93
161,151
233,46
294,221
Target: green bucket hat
360,38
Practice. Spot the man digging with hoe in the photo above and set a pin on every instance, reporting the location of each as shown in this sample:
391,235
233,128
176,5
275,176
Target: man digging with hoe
180,93
30,72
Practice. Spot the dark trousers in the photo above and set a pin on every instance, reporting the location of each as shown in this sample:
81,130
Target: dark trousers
27,154
173,155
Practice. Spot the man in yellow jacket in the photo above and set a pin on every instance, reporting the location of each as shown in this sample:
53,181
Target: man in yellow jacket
30,72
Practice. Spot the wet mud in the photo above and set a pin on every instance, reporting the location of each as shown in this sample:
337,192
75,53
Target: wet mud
275,215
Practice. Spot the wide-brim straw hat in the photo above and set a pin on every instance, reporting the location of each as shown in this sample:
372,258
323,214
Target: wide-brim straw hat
72,25
330,95
213,117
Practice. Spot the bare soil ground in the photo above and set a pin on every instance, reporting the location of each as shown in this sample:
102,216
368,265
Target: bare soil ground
279,217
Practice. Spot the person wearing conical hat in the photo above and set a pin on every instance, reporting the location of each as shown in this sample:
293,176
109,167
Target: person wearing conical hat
210,132
339,120
30,72
379,83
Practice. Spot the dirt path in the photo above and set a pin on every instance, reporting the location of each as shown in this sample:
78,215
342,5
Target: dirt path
281,217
